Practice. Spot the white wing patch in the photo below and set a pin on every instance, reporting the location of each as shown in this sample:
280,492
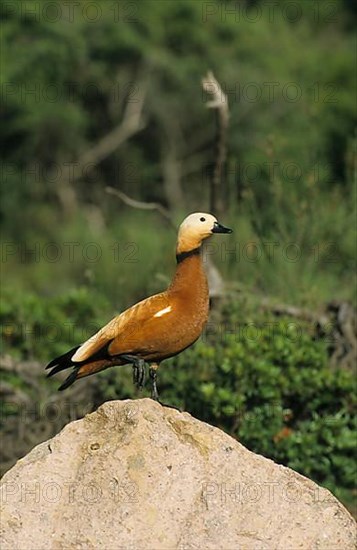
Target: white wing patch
163,311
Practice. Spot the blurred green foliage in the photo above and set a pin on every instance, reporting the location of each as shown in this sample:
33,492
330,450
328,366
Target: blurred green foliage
289,78
33,328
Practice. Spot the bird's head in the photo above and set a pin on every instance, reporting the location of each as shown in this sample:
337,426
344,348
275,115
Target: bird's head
196,228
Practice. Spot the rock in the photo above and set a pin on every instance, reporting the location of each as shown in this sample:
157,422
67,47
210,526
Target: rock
137,475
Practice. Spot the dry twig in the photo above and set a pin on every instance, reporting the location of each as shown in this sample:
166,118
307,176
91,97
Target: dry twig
220,103
141,205
130,125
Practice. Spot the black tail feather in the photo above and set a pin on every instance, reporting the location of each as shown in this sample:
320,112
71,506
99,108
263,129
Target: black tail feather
62,359
62,362
69,380
59,368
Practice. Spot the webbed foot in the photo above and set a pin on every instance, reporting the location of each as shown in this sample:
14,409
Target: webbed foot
139,367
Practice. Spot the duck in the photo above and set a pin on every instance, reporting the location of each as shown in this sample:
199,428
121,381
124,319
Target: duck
158,327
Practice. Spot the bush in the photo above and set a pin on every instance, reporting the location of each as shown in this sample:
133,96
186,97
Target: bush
41,328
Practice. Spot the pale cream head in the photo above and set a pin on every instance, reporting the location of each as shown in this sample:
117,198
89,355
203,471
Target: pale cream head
193,230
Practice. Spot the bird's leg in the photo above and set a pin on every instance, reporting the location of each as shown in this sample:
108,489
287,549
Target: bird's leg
154,393
139,373
153,378
138,369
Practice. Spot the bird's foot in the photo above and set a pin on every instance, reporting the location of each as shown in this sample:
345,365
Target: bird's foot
139,374
139,366
153,378
154,392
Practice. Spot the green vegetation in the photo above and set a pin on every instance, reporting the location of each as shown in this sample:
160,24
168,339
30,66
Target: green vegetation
33,328
289,82
74,255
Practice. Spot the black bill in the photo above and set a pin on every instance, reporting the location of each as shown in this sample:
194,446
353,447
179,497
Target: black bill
218,228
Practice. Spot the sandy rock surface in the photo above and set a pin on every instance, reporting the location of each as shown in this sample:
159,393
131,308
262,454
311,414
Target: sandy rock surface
137,475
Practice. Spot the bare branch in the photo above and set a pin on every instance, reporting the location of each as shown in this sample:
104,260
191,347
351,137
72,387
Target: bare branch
220,103
293,311
130,125
142,205
220,99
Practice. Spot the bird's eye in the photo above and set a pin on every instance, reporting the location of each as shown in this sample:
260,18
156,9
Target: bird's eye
202,219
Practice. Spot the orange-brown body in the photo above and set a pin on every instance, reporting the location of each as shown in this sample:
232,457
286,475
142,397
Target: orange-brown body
158,327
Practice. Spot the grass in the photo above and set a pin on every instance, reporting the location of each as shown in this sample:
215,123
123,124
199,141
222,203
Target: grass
304,255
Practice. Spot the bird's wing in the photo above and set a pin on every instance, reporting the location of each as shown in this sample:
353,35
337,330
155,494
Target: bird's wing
126,332
146,328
